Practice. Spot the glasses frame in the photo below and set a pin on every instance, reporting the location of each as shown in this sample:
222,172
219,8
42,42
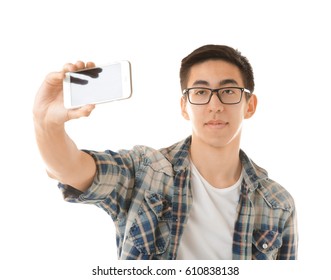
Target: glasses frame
217,92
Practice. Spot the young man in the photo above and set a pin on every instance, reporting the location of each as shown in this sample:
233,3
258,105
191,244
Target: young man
201,198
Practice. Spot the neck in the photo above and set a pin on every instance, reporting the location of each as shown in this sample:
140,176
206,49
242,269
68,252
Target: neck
220,166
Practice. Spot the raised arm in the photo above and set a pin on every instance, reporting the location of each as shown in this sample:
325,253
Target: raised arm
64,161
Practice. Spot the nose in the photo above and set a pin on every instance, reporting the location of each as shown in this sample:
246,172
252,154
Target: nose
215,103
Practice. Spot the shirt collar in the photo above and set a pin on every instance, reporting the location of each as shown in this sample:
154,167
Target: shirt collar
178,155
253,174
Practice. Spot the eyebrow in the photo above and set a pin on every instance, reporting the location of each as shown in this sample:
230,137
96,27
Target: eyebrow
221,83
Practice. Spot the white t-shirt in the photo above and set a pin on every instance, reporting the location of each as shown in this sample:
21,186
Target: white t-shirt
209,231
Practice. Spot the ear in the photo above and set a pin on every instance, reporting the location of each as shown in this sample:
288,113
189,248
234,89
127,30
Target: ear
183,103
251,106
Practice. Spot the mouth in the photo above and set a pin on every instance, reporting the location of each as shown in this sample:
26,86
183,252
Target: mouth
216,124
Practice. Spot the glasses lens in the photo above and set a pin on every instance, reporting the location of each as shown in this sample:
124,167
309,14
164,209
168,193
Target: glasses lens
199,95
230,95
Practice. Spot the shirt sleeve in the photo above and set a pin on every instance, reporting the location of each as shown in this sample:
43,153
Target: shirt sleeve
289,248
112,185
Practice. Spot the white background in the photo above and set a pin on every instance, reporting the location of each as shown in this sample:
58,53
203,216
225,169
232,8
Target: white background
288,44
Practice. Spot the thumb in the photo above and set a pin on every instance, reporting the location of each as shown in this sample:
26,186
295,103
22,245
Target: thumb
83,111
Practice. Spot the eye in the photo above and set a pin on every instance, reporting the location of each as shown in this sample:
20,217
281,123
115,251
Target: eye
228,91
200,91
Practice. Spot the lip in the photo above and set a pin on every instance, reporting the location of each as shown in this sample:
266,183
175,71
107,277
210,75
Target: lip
216,124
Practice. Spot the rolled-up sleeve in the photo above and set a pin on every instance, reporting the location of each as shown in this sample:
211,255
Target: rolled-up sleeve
289,249
112,184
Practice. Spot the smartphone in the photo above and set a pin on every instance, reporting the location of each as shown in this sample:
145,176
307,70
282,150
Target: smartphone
102,84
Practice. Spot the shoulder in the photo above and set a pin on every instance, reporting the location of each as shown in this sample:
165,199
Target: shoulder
163,160
175,156
258,182
276,195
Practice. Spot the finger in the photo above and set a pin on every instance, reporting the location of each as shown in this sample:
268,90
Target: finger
83,111
54,78
80,65
90,64
69,67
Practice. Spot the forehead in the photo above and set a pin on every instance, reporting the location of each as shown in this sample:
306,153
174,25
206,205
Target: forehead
214,71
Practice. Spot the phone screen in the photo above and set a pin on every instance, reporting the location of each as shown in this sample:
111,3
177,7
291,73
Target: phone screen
98,85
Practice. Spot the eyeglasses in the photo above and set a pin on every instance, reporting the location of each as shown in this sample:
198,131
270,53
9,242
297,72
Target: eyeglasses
227,95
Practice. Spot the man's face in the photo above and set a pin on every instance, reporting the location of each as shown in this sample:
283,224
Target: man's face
217,124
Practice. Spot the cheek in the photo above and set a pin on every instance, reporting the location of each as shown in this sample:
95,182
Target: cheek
238,116
239,111
193,113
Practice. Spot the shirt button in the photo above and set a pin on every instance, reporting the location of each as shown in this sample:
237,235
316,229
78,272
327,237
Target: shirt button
265,246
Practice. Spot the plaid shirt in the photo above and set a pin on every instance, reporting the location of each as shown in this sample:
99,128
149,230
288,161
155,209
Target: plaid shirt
147,194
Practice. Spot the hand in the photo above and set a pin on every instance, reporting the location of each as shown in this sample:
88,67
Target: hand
48,107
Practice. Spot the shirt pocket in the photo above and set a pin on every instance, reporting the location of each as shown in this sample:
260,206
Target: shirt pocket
266,244
150,231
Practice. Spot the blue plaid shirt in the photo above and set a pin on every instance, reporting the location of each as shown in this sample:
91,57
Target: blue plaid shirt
147,194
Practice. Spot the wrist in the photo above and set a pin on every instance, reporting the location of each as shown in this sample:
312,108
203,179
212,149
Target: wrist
48,128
